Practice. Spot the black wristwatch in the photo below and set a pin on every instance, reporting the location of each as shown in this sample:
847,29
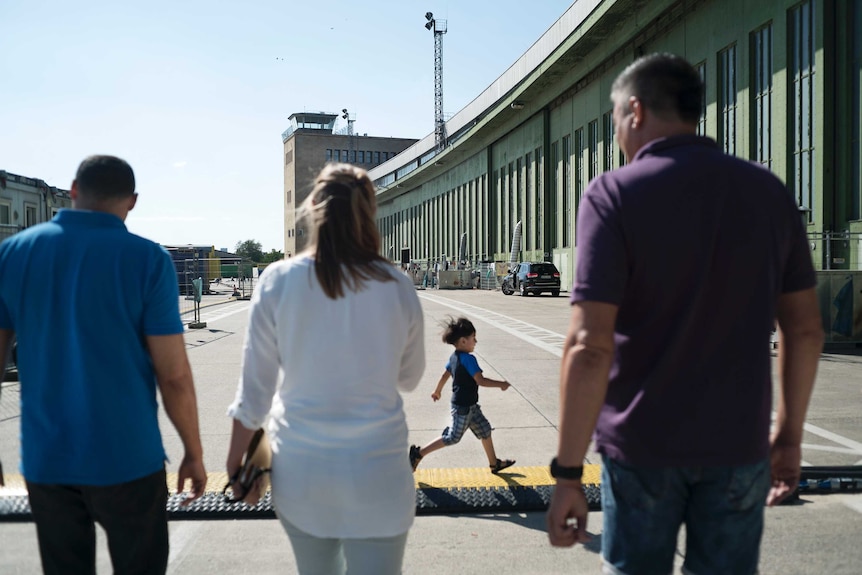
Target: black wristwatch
560,472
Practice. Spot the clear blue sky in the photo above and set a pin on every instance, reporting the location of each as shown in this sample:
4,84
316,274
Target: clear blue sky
195,95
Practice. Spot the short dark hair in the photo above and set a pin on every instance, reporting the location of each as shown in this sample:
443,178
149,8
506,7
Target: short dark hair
666,84
105,178
457,328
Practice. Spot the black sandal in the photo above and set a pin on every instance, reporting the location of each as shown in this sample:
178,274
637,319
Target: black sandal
415,456
501,465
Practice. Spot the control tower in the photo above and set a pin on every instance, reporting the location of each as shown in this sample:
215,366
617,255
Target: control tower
310,142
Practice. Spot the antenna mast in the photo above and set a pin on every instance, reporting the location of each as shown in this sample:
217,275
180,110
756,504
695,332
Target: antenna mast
439,28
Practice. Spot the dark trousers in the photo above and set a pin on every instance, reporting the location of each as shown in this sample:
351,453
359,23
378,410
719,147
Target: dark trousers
133,515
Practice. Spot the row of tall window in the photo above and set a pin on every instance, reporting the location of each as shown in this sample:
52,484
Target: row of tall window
855,73
577,163
516,187
701,123
433,230
726,99
761,92
357,156
800,101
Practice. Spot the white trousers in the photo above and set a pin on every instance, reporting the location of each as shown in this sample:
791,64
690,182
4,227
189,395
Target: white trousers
324,556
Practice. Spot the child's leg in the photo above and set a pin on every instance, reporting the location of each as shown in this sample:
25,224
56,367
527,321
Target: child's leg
481,428
451,436
417,454
433,446
488,445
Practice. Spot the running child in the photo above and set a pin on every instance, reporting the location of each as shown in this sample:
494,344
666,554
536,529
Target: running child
466,413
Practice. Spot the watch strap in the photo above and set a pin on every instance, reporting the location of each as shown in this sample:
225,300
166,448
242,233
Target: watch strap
560,472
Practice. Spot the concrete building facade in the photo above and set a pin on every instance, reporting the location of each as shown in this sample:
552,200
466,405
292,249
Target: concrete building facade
783,88
310,143
25,202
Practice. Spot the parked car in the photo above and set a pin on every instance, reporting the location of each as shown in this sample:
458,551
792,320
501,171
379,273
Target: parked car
532,277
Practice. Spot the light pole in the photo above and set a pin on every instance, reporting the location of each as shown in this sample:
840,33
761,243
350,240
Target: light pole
346,115
439,28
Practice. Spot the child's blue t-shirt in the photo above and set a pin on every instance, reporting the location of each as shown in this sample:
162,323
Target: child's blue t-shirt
463,367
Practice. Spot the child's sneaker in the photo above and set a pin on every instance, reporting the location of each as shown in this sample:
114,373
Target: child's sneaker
415,457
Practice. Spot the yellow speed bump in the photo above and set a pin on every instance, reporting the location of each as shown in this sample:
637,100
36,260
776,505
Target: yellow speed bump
477,477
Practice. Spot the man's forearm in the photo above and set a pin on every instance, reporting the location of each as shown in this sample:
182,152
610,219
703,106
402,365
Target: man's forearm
798,357
583,386
180,401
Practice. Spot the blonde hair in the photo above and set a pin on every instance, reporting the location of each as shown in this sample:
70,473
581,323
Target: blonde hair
344,240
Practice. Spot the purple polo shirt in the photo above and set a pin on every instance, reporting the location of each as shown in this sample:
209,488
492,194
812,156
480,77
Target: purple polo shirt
695,247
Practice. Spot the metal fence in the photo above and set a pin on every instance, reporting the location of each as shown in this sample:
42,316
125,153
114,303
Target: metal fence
836,250
222,279
446,274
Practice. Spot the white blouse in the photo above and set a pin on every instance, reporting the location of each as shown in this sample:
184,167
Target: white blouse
329,372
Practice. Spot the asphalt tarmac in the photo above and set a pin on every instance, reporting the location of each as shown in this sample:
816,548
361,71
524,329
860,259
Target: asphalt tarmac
520,340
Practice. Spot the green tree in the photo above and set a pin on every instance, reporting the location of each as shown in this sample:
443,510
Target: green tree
249,249
272,256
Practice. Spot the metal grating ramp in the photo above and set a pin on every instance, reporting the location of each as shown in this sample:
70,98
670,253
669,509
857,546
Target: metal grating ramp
438,491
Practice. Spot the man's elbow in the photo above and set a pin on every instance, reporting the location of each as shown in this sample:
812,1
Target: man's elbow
175,380
591,355
810,337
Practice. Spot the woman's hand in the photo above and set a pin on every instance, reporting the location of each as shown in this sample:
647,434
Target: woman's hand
252,496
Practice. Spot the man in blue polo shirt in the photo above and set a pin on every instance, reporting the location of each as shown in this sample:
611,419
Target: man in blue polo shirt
686,257
94,309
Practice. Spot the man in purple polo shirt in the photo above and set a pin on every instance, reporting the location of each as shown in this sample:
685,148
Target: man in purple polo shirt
686,257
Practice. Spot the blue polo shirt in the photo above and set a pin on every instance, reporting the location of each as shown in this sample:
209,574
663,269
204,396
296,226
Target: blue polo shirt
695,247
81,293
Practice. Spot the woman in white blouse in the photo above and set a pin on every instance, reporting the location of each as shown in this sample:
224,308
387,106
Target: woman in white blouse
334,334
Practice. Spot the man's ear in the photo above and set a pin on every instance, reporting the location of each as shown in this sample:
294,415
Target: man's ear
73,192
132,201
638,112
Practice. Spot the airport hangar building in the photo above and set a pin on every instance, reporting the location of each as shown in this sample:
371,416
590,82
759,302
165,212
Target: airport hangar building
782,85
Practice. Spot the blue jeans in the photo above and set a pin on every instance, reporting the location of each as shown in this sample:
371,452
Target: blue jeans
721,507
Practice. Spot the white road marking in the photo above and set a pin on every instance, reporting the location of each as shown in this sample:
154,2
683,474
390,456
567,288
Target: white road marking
830,448
839,439
545,339
238,307
854,503
552,342
181,534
